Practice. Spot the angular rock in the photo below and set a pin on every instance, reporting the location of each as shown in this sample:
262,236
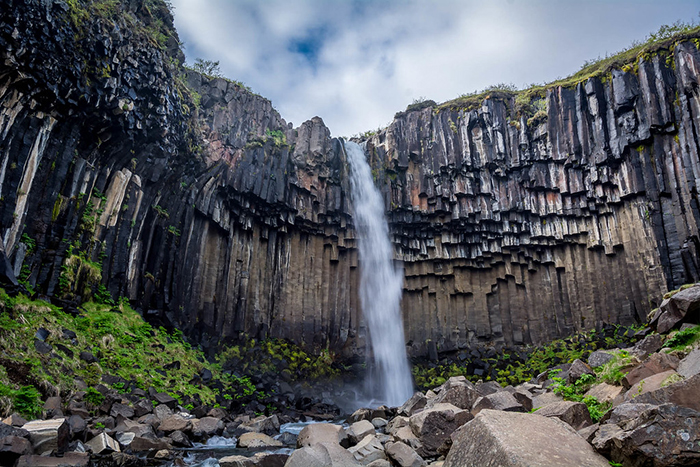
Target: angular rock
359,430
404,455
122,410
674,309
574,413
175,423
625,412
647,346
162,411
484,388
655,364
378,423
236,461
15,419
683,393
690,365
309,456
577,370
257,440
141,444
648,384
545,399
165,399
53,407
604,438
48,435
396,423
12,447
69,459
318,433
509,439
405,435
125,438
102,444
599,358
142,407
604,392
524,398
502,400
434,425
139,429
179,439
667,435
461,394
206,427
367,450
360,414
417,402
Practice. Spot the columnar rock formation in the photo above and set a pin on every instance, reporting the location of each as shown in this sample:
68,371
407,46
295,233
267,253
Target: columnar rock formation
194,199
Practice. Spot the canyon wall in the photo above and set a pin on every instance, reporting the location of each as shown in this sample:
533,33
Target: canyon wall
190,196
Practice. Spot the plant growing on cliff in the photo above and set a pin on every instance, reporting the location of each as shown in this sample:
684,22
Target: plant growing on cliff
207,67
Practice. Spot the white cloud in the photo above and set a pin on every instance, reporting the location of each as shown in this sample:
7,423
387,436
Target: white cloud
374,57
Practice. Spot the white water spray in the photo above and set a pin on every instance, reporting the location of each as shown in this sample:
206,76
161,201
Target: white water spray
380,283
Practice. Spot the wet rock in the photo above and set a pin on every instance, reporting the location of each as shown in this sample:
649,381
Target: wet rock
417,402
236,461
257,440
318,433
518,439
69,459
206,427
175,423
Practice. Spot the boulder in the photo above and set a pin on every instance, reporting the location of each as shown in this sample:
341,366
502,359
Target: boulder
574,413
484,388
175,423
655,364
648,384
268,425
667,435
48,435
236,461
206,427
12,447
141,444
15,419
165,399
604,438
395,424
599,358
218,412
316,455
359,430
162,411
577,370
142,407
604,392
180,439
690,365
434,425
417,402
121,410
369,449
125,439
545,399
647,346
460,393
257,440
510,439
674,310
683,393
380,463
502,400
69,459
102,443
53,407
405,434
378,423
318,433
625,412
524,397
139,429
360,414
270,459
404,455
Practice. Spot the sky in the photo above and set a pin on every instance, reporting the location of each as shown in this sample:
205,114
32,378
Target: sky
355,63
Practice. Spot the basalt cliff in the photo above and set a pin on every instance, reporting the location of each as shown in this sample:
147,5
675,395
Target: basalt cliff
124,174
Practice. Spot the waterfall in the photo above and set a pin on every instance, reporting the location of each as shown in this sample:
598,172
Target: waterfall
380,283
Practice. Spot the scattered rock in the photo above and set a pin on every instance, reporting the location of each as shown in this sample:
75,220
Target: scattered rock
604,392
404,455
102,443
577,370
434,425
122,410
48,435
502,400
673,310
12,447
206,427
417,402
496,438
655,364
141,444
359,430
69,459
257,440
308,456
647,346
599,358
369,449
545,399
648,384
236,461
318,433
574,413
690,365
683,393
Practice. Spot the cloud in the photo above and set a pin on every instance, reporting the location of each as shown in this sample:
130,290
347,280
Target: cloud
355,63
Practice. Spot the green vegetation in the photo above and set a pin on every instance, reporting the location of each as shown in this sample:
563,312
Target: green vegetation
26,400
207,67
613,371
277,137
679,340
576,391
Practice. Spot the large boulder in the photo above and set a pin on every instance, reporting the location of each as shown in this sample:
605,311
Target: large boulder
675,309
175,423
12,447
666,435
648,384
309,456
318,433
103,443
257,440
577,370
359,430
604,392
458,392
502,400
48,435
508,439
368,450
655,364
683,393
434,425
415,403
404,455
599,358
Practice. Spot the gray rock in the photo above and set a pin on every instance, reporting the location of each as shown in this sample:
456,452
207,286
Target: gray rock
102,443
674,309
574,413
655,364
309,456
48,435
69,459
122,410
690,365
141,444
683,393
257,440
207,427
236,461
180,439
359,430
509,439
318,433
12,447
502,400
577,370
417,402
599,358
647,346
434,425
368,450
404,455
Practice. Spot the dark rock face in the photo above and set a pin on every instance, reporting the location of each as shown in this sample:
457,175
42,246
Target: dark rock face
223,220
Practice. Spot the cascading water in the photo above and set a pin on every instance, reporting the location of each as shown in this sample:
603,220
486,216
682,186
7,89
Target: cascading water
380,283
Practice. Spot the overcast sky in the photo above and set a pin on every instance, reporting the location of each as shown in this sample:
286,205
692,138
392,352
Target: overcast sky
356,63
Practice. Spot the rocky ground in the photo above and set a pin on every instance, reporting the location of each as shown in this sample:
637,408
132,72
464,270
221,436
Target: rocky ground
632,407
